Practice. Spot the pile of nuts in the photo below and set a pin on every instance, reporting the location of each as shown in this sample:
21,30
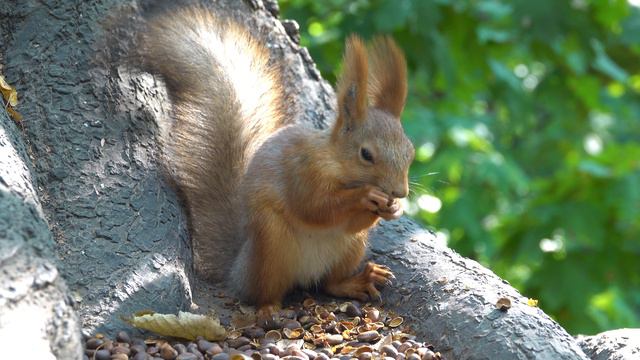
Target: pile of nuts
309,332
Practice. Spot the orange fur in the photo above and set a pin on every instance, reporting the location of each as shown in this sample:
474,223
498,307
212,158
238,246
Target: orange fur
352,86
226,100
387,76
291,205
310,196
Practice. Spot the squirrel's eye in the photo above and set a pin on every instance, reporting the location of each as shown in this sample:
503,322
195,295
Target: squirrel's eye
366,155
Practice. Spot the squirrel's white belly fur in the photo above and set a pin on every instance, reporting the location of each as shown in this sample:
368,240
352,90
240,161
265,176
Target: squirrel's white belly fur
312,253
317,251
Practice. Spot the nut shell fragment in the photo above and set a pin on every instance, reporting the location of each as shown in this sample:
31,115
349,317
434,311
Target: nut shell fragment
293,333
273,335
395,322
503,304
368,336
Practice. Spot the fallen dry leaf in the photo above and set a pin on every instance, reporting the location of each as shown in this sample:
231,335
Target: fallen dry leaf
10,96
185,325
9,93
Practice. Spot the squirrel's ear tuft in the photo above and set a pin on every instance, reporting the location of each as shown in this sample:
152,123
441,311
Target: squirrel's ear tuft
387,86
352,85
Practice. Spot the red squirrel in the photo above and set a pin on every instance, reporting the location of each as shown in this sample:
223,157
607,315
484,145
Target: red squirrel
273,204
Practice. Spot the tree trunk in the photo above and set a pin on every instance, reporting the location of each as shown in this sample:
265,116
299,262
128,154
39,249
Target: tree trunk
119,231
37,320
618,344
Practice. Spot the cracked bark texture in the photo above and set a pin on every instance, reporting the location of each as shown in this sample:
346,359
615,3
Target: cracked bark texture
119,232
620,344
37,319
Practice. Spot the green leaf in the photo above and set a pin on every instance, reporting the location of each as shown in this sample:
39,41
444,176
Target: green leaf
593,168
587,88
487,34
604,64
503,73
391,15
523,175
495,9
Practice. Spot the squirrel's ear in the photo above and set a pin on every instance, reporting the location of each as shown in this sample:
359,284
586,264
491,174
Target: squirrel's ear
387,86
352,85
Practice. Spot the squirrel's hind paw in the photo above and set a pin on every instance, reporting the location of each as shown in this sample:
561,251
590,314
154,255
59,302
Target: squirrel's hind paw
362,286
267,314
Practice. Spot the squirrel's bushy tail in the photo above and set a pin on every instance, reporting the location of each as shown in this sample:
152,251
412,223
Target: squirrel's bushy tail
226,101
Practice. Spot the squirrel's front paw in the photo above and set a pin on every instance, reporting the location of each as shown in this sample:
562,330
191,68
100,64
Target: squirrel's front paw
381,204
373,198
392,211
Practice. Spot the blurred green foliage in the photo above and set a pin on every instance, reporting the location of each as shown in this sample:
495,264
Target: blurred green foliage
526,119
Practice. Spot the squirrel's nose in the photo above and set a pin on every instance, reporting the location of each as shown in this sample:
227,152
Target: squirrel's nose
400,193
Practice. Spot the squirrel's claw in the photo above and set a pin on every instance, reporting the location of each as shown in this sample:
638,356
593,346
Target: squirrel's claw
382,205
267,314
362,286
379,274
374,294
394,215
379,197
387,207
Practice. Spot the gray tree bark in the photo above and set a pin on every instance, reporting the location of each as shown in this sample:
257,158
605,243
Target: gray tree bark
621,344
37,320
119,232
